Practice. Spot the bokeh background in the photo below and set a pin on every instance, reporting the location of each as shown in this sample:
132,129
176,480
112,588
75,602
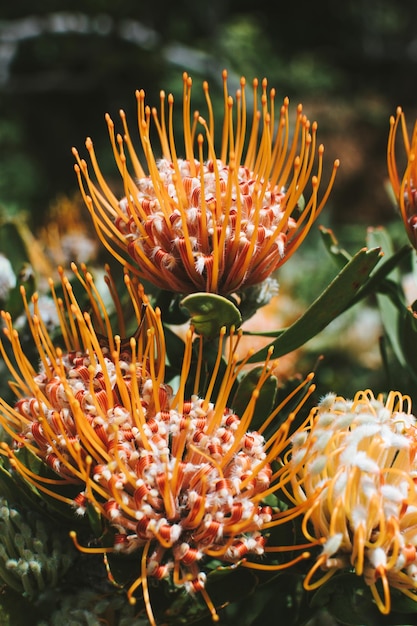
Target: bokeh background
64,64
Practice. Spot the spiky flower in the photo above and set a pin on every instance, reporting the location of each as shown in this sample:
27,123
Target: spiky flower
210,221
355,464
180,478
404,184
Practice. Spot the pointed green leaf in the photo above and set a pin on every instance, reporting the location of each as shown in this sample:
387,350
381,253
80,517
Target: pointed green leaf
390,294
379,281
348,599
332,302
209,312
339,255
408,337
57,507
7,484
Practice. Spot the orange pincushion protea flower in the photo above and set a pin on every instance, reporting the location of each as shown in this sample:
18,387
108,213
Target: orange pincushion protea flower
181,479
355,464
405,185
210,222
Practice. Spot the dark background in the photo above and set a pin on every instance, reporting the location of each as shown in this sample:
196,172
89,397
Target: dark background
64,64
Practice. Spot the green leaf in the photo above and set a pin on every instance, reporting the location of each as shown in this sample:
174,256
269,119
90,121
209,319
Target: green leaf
408,337
7,485
349,600
209,312
56,507
389,295
339,255
336,298
379,281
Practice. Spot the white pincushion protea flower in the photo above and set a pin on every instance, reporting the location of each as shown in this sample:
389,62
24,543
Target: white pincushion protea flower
355,465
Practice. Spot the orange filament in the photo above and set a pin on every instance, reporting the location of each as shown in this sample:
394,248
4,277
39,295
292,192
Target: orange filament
277,567
210,605
321,560
384,605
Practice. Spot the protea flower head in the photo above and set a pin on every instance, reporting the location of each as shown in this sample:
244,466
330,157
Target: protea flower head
404,183
208,220
355,464
179,477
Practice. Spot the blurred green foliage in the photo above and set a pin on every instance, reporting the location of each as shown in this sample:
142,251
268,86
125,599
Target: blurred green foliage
64,64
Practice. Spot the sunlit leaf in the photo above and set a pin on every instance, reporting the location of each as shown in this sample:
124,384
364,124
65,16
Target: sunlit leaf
408,337
338,254
330,304
391,313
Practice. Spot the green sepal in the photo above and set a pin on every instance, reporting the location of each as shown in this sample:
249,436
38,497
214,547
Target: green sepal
379,281
334,300
209,312
265,400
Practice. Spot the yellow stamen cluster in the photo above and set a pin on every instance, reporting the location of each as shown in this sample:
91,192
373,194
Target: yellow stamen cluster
355,465
404,185
209,222
181,479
